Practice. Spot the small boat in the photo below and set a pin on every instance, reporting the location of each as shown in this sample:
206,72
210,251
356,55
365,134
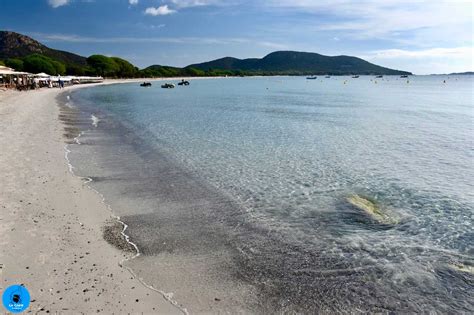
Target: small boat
379,76
404,76
355,76
327,77
183,82
312,78
145,84
168,86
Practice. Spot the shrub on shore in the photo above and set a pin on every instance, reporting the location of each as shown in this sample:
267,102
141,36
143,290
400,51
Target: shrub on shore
111,67
39,63
14,63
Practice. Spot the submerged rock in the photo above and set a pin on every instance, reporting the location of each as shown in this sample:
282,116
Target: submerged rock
371,208
462,267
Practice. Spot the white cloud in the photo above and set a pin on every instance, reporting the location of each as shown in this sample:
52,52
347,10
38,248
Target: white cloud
162,10
402,21
413,35
425,61
58,3
195,3
156,26
433,52
171,40
133,2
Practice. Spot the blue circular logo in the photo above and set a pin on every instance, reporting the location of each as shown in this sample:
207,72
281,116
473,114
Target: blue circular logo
16,298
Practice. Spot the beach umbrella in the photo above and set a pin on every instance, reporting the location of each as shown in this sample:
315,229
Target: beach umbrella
11,71
20,73
6,70
42,75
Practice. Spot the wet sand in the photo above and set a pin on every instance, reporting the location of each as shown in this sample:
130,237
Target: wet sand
53,227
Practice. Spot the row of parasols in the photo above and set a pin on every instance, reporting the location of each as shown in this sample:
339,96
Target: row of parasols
9,72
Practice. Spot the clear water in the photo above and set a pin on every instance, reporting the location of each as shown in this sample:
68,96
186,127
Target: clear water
283,154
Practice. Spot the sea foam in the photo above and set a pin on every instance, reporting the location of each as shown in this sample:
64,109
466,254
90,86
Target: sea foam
95,121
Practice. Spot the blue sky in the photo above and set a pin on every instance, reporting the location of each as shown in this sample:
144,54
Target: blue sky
421,36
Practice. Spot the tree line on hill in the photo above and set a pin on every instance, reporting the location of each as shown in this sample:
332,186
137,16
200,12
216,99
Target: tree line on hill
97,65
100,65
115,67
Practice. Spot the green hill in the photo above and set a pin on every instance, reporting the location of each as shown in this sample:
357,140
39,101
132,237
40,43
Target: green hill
26,54
14,45
463,73
297,63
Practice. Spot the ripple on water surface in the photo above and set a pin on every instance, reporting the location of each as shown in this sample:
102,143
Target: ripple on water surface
248,182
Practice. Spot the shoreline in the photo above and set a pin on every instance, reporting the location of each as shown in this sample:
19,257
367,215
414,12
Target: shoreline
188,271
44,205
114,230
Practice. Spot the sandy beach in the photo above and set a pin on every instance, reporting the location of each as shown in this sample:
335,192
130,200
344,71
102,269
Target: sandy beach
52,223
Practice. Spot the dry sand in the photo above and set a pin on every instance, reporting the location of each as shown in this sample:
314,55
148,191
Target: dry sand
51,223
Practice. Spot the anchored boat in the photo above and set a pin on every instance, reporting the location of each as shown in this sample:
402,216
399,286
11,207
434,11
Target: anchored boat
168,86
183,82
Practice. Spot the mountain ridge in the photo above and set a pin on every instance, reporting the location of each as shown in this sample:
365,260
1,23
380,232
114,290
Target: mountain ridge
14,45
295,62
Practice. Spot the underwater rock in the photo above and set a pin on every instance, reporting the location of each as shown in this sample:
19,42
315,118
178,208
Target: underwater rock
370,208
461,267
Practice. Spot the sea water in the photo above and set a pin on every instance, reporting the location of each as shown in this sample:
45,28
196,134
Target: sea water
236,190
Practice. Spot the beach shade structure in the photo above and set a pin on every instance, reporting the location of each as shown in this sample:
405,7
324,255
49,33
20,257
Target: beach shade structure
5,70
41,75
9,78
64,79
10,71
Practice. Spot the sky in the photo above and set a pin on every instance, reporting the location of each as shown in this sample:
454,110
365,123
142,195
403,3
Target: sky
421,36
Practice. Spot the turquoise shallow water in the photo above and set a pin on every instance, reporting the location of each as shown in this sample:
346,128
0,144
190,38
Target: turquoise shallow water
283,154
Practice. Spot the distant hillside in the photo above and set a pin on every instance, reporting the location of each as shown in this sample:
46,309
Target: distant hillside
162,71
463,73
14,45
26,54
293,62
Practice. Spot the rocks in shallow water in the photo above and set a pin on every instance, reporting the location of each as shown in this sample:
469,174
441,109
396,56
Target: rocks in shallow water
371,208
462,267
112,233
